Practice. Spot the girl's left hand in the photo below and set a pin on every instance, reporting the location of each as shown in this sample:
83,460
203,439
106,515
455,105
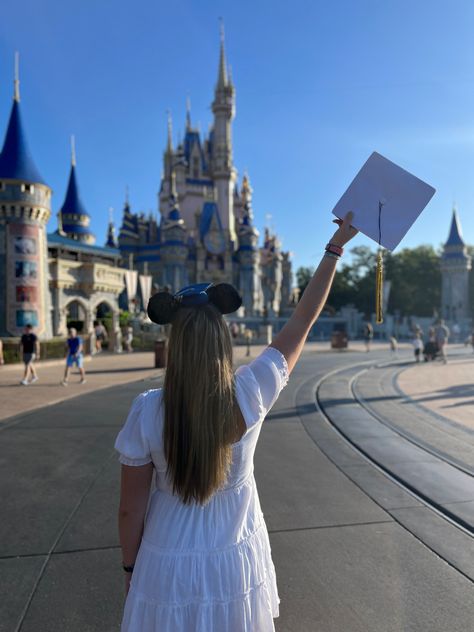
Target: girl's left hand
345,232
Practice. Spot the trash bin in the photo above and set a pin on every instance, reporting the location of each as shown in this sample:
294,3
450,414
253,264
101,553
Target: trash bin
339,338
160,354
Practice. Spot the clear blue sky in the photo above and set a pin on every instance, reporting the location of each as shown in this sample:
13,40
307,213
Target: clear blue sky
320,85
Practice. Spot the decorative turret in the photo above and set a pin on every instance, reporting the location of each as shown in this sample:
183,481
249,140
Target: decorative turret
174,248
248,254
223,171
455,266
111,238
25,208
129,230
75,219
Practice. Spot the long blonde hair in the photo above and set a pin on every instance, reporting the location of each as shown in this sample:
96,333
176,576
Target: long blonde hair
200,408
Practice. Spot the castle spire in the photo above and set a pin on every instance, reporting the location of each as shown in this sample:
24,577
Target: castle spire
455,234
16,162
188,114
111,238
16,82
73,150
169,146
74,217
222,74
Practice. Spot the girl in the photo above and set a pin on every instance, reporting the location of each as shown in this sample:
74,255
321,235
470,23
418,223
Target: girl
196,555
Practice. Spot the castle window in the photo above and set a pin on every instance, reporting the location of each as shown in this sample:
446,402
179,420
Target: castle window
27,188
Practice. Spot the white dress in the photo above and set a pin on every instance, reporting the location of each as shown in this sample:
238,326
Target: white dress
204,568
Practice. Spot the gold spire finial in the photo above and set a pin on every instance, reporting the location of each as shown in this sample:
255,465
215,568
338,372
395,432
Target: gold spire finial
111,215
221,30
127,197
73,150
188,113
170,131
16,82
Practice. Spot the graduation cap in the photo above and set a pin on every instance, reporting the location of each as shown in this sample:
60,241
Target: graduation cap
386,200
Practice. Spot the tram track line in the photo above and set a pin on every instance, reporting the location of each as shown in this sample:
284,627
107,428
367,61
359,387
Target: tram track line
436,507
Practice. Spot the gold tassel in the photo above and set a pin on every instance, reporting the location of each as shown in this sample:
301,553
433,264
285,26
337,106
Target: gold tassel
379,289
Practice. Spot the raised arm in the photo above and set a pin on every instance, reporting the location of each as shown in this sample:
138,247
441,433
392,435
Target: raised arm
290,340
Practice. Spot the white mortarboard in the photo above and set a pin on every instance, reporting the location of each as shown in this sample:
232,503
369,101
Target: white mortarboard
385,200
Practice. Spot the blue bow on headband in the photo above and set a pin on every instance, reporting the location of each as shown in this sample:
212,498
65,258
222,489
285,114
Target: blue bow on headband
193,295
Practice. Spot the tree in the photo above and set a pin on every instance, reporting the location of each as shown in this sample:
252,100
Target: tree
415,274
303,277
415,277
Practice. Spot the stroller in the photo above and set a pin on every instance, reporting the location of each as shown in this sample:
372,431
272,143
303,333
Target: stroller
430,351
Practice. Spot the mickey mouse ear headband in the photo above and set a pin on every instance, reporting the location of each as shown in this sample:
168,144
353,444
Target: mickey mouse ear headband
162,306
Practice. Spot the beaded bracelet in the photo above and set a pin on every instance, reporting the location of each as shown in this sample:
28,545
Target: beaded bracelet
332,255
337,250
128,569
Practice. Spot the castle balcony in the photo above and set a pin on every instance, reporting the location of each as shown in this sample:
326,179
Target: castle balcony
85,277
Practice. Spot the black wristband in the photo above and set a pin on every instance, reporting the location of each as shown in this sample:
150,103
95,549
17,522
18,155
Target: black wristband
128,569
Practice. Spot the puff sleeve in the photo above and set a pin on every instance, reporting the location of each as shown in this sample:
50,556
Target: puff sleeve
132,443
266,376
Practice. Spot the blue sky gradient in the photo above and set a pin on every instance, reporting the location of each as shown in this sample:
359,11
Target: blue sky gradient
320,85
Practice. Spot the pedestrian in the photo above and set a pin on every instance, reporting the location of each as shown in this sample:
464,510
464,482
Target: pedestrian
248,340
30,349
441,338
128,338
2,359
234,330
368,335
393,346
196,554
100,335
74,348
417,346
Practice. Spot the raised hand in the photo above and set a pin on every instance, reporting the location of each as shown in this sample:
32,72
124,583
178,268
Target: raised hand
345,232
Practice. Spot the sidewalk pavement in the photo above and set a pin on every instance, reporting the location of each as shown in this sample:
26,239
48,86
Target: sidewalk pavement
102,371
343,562
445,389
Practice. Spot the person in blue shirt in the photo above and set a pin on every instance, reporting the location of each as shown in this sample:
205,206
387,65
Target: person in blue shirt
74,347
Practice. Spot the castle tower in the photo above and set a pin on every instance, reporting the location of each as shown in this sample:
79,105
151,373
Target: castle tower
74,219
248,255
174,249
223,170
455,267
25,208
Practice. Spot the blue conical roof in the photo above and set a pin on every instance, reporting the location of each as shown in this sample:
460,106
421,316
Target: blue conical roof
72,202
16,162
455,238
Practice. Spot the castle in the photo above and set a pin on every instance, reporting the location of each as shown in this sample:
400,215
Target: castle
205,233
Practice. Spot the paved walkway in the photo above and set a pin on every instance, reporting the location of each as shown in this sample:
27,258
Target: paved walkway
102,371
446,389
344,558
